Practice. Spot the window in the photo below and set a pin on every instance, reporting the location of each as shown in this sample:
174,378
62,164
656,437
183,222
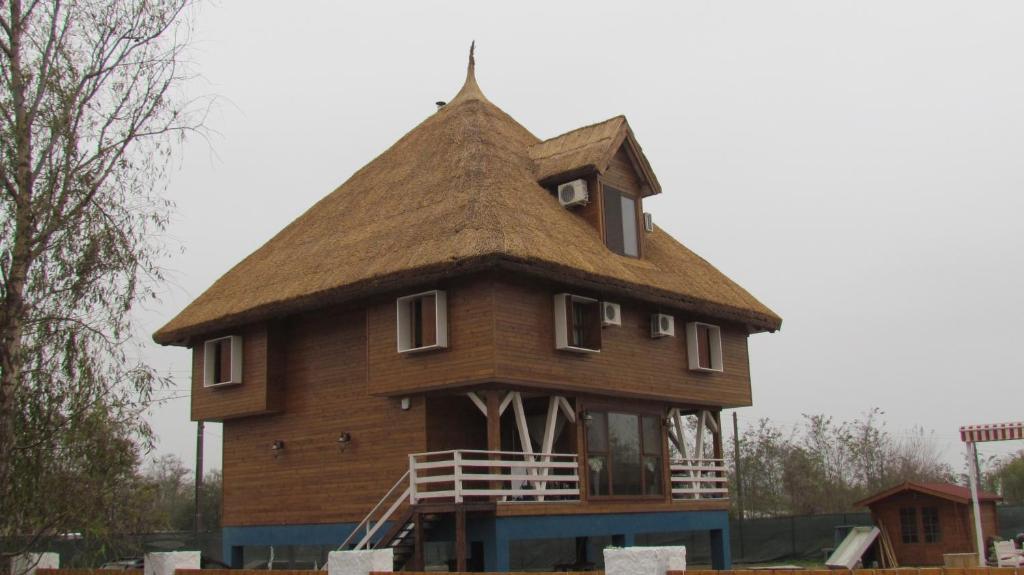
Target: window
620,223
624,454
930,524
577,323
423,321
704,346
222,361
908,524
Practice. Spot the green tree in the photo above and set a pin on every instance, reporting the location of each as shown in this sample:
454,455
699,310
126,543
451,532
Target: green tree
90,107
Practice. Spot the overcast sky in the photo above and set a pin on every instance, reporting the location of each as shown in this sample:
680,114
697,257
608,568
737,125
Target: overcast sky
857,166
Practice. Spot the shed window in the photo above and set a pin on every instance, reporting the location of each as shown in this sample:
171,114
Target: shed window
908,524
624,454
930,524
620,227
704,346
222,361
577,323
422,321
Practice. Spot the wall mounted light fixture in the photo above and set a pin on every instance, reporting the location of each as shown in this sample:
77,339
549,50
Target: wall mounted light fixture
344,440
587,417
277,447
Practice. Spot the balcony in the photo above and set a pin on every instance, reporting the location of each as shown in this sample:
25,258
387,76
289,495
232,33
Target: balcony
699,479
462,475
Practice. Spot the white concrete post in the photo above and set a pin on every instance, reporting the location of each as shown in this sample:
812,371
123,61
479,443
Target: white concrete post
644,560
360,562
27,563
166,563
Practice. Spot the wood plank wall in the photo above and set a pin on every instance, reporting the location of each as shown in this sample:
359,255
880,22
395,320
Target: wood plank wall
630,362
259,391
470,353
313,480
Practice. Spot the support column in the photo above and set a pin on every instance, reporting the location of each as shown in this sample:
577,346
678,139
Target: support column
460,538
494,432
234,557
501,556
418,563
720,557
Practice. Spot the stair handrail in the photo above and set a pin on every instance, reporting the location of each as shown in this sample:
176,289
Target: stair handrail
369,516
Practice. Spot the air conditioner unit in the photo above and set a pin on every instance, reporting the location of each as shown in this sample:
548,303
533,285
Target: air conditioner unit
611,313
648,222
573,193
662,325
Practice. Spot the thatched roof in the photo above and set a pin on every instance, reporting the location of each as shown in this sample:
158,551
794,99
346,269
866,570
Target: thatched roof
456,194
590,148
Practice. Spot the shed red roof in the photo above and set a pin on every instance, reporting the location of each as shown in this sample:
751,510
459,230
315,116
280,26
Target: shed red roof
957,493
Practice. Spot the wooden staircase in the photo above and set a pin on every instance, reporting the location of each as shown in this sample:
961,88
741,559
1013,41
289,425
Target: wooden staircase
409,530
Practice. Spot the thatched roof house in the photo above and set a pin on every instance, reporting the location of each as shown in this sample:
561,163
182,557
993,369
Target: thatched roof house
461,192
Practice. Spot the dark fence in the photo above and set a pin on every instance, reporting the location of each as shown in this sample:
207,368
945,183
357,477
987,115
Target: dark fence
763,540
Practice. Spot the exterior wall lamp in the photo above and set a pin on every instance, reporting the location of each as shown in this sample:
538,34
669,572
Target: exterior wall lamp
587,417
277,447
344,440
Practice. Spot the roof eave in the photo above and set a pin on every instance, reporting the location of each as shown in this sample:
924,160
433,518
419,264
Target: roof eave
183,336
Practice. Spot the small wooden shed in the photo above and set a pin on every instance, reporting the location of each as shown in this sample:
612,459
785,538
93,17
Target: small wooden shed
924,521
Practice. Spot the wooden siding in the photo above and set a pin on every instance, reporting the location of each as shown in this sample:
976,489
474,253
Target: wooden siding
313,480
260,390
630,363
956,526
470,352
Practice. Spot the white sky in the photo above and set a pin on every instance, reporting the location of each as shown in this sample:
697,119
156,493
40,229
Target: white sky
857,166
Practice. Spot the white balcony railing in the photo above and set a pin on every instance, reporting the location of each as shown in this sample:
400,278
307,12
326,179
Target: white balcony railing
699,479
463,474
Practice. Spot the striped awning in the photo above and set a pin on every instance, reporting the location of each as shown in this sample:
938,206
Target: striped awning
992,432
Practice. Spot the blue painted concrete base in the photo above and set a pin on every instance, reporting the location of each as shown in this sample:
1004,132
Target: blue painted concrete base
497,532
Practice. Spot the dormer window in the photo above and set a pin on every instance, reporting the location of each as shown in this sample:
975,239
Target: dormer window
422,321
620,217
222,361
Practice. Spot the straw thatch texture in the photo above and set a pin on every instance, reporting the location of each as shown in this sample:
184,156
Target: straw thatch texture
457,193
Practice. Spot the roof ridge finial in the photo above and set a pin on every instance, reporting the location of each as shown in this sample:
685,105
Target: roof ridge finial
472,61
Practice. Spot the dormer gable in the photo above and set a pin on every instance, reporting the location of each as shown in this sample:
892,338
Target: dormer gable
592,149
617,174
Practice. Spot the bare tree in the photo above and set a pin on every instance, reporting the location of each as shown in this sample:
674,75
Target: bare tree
91,106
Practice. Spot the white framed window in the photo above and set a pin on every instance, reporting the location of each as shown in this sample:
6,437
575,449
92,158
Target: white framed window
222,361
422,321
577,323
704,346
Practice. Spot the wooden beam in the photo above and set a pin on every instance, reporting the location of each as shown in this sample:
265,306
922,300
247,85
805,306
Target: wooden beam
524,432
504,403
680,427
494,431
479,403
418,543
711,422
567,410
549,438
699,441
460,538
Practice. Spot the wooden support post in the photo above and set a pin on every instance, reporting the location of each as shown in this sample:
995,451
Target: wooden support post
494,433
460,538
417,554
